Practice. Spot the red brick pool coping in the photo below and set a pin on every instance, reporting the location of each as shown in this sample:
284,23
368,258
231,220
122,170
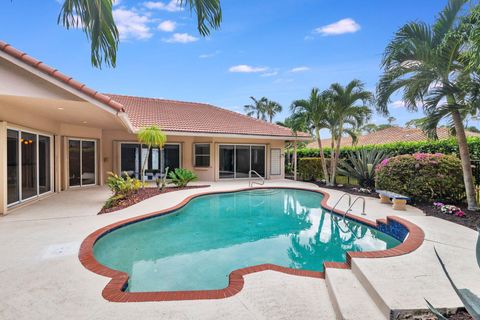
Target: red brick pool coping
114,290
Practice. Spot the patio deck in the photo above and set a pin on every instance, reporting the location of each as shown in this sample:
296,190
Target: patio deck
42,277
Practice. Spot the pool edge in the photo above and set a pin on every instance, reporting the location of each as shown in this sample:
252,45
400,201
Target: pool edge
114,290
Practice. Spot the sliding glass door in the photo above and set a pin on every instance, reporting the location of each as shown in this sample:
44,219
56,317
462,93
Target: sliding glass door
29,163
236,161
133,155
82,162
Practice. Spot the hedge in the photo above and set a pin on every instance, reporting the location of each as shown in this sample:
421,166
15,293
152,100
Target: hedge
310,169
423,177
447,146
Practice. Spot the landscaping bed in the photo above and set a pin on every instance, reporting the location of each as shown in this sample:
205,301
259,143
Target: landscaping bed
143,194
470,220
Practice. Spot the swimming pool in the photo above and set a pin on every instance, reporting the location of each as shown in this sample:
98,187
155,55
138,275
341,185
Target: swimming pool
197,246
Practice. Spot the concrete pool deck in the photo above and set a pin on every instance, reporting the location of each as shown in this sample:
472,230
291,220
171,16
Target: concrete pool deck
42,277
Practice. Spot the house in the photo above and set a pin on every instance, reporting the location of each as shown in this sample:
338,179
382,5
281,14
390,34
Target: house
390,135
56,134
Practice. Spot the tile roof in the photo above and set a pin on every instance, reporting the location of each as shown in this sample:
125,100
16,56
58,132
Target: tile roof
22,56
390,135
179,116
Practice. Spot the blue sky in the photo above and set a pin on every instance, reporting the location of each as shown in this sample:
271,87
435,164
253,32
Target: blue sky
278,49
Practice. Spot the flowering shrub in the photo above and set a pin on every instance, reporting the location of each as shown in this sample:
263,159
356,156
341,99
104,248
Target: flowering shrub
424,177
449,209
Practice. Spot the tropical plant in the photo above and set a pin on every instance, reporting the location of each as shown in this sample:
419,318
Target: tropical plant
152,137
314,110
162,182
271,108
182,177
361,164
257,108
297,123
470,301
121,186
95,18
345,116
427,63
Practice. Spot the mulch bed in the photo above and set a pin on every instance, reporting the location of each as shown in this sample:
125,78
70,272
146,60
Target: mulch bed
470,220
144,194
461,315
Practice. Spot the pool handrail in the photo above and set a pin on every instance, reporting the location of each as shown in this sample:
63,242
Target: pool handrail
340,199
350,207
251,183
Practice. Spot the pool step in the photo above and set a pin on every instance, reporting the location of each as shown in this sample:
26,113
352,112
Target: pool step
349,298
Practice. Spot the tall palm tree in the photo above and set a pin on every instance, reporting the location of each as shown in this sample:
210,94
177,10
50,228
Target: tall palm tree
257,108
272,108
425,62
95,18
152,137
314,110
346,116
297,123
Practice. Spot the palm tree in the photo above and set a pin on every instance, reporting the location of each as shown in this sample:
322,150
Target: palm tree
314,110
271,108
257,108
152,137
297,123
425,62
95,18
346,116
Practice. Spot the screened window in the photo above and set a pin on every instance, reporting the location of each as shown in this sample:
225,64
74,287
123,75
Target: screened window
202,155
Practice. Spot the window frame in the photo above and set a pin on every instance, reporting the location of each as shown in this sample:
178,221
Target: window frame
208,156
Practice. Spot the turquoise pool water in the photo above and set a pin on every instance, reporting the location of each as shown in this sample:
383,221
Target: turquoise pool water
197,246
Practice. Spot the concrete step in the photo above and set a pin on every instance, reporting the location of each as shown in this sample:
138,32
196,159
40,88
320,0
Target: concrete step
349,298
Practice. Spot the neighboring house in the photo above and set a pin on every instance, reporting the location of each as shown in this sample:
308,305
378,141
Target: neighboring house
390,135
56,134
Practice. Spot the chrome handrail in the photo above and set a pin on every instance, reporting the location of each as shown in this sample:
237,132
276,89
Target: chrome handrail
251,183
350,207
338,201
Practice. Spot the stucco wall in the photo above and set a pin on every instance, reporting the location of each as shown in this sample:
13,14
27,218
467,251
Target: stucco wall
113,138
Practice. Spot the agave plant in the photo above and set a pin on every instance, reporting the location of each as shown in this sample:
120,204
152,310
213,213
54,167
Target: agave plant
468,298
181,177
361,164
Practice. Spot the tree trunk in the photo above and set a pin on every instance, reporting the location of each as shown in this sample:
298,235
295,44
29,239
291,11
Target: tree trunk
295,160
331,182
337,154
271,118
465,159
322,156
144,164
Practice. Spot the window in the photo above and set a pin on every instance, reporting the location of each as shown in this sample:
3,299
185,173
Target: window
202,155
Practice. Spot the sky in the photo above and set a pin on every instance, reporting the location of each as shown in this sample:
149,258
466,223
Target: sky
279,49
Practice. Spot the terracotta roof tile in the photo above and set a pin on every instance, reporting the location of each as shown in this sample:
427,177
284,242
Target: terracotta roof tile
22,56
390,135
182,116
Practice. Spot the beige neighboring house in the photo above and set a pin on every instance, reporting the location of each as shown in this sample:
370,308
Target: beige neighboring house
390,135
57,134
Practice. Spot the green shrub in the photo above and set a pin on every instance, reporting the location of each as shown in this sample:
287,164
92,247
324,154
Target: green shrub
423,177
122,187
447,146
181,177
310,169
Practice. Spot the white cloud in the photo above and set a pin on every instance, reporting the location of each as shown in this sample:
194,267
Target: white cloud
397,104
243,68
340,27
300,69
269,74
167,26
181,38
131,25
209,55
172,6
